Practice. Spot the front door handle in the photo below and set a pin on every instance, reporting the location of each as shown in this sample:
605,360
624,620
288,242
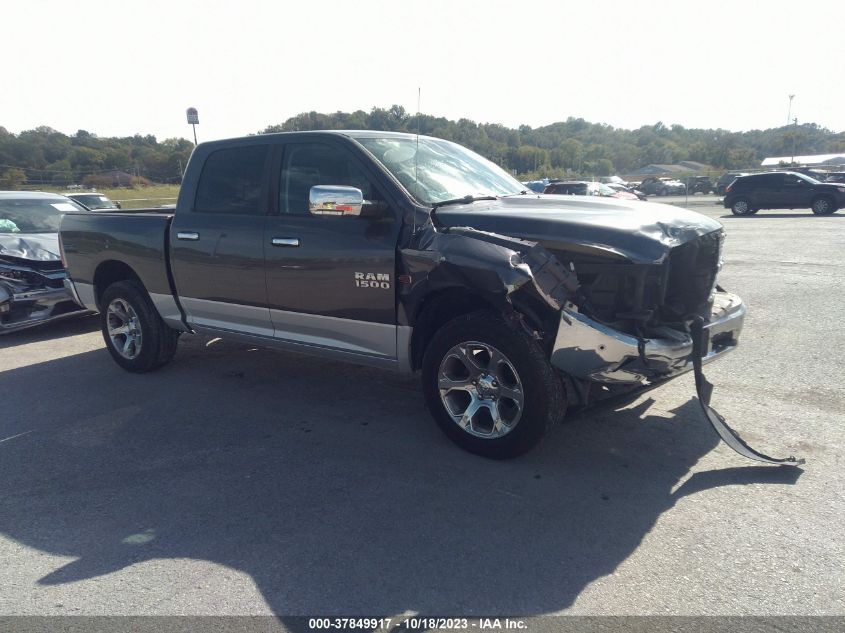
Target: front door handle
285,241
187,235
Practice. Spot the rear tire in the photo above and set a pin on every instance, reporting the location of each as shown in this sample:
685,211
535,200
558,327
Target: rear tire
135,335
489,386
742,206
823,205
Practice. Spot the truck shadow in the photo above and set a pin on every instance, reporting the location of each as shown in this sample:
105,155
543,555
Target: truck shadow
327,484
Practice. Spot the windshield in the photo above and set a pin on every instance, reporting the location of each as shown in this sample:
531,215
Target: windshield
604,190
809,179
33,215
95,201
445,170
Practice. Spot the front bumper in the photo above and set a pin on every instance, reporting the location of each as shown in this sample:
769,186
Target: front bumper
21,310
589,350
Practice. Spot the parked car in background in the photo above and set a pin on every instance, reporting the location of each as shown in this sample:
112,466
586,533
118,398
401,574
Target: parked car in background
662,187
835,176
783,190
537,186
726,179
587,188
612,180
32,275
93,200
617,187
699,184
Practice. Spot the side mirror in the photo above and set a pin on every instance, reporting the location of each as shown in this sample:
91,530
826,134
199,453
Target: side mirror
340,200
335,200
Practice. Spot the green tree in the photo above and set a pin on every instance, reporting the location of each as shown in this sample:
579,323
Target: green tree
11,179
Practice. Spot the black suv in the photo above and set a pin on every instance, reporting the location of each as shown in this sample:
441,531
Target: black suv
696,184
783,190
725,180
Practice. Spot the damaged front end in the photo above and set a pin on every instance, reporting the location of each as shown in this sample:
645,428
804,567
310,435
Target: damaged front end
33,292
614,327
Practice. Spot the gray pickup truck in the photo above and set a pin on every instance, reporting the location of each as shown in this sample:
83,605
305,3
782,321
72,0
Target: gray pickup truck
414,253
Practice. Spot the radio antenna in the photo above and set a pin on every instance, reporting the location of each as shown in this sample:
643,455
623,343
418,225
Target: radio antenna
417,151
417,157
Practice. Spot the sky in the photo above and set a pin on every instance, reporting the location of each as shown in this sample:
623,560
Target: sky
117,68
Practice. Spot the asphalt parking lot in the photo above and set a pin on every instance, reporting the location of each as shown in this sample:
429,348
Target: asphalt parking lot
242,481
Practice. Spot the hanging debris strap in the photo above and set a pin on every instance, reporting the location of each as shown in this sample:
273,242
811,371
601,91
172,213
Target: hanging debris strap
704,389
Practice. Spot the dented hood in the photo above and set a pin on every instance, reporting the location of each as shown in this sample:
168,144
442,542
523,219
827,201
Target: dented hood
643,232
39,247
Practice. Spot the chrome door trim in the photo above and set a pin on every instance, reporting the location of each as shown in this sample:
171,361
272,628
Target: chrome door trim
303,348
360,337
228,316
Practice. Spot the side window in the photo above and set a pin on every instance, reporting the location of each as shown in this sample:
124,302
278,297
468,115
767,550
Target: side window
308,164
231,181
792,181
771,181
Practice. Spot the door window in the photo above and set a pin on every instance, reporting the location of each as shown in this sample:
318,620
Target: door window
231,181
309,164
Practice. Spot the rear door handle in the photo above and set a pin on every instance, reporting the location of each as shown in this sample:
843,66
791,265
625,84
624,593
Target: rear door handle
285,241
187,235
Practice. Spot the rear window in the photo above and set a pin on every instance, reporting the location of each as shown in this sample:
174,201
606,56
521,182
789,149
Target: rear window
34,215
95,201
572,190
232,181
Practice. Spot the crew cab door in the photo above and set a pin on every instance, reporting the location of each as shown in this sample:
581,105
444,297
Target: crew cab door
330,279
217,241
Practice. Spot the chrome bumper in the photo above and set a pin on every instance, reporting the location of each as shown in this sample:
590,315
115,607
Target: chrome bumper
586,349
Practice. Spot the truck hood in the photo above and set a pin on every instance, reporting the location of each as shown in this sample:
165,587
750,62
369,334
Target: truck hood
39,247
642,232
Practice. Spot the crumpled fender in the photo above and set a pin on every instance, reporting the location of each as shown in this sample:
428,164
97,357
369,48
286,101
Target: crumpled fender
494,265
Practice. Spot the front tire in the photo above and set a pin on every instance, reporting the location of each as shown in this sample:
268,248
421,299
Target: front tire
490,387
823,205
135,335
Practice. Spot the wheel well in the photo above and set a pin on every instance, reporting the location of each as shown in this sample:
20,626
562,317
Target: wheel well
108,273
439,310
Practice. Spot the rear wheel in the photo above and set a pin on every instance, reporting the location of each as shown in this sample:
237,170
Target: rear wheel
490,387
742,206
136,337
823,205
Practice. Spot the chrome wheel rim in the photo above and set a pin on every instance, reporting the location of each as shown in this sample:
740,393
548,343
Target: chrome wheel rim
124,329
741,207
480,390
821,206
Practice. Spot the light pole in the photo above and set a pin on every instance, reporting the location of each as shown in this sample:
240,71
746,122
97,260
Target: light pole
794,131
789,113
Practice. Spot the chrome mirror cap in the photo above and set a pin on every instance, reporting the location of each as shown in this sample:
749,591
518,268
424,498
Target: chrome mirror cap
335,200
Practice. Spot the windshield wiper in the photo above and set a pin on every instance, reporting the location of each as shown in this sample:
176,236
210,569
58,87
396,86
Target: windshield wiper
464,200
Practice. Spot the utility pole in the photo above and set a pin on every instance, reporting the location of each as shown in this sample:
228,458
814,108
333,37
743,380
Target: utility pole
794,132
789,112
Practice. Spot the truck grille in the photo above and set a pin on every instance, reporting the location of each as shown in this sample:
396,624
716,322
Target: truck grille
693,267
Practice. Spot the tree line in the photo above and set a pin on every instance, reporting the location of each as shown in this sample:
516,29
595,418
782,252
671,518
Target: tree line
574,147
46,157
578,147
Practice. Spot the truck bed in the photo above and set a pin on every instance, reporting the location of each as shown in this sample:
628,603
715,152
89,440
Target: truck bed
138,239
